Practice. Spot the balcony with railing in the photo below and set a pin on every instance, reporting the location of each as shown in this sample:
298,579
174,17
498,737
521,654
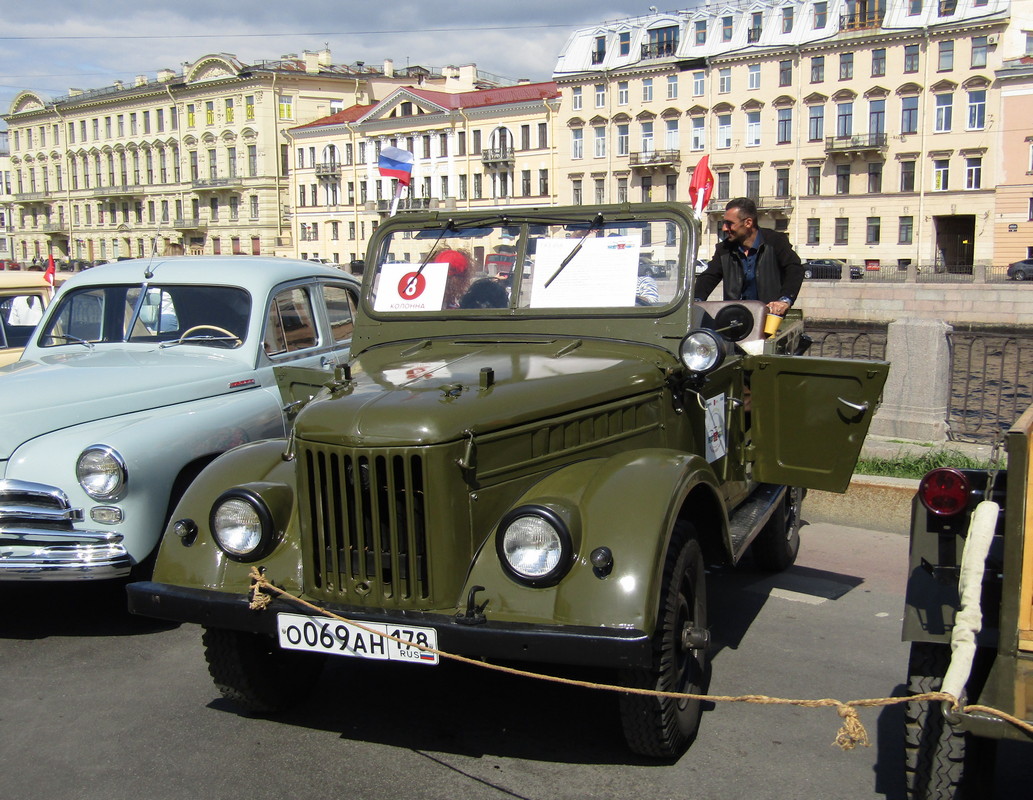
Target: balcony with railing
497,156
30,197
408,204
860,143
61,226
659,49
119,190
655,159
188,224
861,20
215,184
753,35
328,169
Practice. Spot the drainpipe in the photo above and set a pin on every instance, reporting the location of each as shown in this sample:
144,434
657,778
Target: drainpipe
179,151
922,155
68,190
276,161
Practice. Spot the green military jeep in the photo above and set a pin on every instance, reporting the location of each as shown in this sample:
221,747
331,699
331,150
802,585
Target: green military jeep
533,469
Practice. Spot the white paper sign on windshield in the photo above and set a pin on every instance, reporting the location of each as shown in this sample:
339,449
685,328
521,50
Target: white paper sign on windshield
603,274
405,287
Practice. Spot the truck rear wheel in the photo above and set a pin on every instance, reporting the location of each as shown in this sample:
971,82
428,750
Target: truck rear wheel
253,672
778,543
941,762
663,727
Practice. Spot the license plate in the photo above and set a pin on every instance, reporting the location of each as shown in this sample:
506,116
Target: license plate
324,635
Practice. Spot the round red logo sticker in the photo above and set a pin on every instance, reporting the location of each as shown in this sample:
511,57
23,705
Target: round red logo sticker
411,286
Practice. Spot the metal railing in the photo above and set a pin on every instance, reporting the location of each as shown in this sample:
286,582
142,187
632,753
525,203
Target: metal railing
991,382
848,341
861,141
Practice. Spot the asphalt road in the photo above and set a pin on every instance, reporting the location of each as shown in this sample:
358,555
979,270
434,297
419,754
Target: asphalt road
95,703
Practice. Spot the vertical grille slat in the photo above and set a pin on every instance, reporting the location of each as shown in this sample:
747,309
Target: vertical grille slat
363,517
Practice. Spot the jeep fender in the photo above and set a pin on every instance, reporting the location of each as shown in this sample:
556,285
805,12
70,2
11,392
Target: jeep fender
629,504
200,563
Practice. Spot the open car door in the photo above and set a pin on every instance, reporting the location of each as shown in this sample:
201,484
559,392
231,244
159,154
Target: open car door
810,417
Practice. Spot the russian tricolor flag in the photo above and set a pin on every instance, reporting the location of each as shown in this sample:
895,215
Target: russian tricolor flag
396,163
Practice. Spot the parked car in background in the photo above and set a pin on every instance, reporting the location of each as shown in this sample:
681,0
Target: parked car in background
1021,270
23,297
828,269
138,375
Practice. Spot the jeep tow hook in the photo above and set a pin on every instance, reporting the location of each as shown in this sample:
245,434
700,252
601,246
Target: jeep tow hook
695,638
474,613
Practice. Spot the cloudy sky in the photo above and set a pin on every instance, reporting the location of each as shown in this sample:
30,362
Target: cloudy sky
52,45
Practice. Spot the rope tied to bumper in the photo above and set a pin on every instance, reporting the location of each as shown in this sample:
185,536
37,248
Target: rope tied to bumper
851,733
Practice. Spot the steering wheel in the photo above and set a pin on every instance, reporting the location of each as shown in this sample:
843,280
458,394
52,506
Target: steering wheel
215,328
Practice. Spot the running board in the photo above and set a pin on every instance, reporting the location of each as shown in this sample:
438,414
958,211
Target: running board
747,520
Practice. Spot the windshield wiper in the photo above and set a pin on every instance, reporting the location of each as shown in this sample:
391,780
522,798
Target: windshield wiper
198,340
73,339
577,248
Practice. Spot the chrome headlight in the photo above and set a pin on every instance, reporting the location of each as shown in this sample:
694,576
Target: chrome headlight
101,472
534,545
242,525
702,350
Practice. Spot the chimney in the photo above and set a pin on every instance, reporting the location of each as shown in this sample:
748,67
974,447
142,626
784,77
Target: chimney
165,75
311,62
389,68
141,80
74,92
324,58
119,85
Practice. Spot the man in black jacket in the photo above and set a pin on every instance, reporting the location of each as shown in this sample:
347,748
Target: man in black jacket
754,263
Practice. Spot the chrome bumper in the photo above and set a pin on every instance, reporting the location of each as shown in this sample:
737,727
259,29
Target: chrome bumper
38,542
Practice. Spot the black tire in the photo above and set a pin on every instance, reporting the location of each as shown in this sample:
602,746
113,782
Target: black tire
808,274
253,672
664,727
1020,275
941,762
778,543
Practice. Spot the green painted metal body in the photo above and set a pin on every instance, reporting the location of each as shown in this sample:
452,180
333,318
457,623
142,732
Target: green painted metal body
389,495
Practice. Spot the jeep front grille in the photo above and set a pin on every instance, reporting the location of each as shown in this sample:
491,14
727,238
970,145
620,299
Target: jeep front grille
364,526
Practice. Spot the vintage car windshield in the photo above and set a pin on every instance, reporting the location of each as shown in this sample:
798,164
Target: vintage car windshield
216,316
499,264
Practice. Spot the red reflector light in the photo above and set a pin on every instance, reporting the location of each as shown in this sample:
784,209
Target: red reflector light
944,492
240,384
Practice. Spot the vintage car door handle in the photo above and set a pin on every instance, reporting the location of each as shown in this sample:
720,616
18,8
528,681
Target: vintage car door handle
860,408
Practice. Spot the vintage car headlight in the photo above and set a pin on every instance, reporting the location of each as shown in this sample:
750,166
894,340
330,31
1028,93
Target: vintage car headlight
702,350
534,545
101,472
242,525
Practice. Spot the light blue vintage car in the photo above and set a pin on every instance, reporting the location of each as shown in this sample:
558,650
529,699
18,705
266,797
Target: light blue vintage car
140,373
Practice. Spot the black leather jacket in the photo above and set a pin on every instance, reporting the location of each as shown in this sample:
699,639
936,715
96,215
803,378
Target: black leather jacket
779,272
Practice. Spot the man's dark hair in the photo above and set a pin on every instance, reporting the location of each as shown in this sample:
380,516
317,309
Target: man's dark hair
745,206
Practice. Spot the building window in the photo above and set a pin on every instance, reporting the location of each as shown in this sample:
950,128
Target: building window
821,15
944,112
813,181
756,20
577,143
907,176
599,54
753,80
787,19
576,98
191,115
752,128
873,233
622,93
876,116
914,8
647,137
701,32
878,62
600,191
846,66
813,230
905,229
698,83
672,87
817,69
909,115
623,139
911,58
543,182
842,179
724,80
286,107
600,95
249,107
782,182
647,90
941,175
647,191
600,141
671,137
842,228
699,137
753,183
875,177
622,190
973,173
726,29
543,136
844,120
979,49
947,7
785,125
977,110
209,112
815,123
785,73
624,43
724,185
945,63
724,131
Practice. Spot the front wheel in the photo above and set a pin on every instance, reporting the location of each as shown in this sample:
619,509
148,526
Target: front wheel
1020,275
778,543
808,274
941,762
663,727
253,672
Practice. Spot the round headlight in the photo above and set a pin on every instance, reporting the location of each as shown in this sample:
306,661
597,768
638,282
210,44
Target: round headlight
701,351
534,546
101,472
242,525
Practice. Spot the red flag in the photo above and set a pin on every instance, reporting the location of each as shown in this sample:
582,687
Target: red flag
48,276
701,185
